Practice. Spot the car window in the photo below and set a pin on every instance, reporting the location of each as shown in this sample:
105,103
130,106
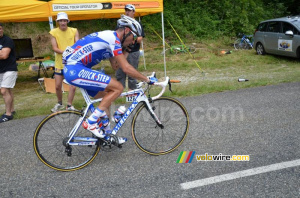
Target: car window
296,24
274,26
287,27
262,27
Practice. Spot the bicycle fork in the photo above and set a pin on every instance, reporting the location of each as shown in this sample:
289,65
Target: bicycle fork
153,115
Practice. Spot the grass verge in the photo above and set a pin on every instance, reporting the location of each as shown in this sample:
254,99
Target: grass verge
215,72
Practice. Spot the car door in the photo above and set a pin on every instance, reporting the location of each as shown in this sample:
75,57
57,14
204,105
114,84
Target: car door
259,34
271,37
287,45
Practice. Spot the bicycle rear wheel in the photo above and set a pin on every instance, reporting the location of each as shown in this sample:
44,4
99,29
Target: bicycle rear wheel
238,44
152,139
49,142
244,45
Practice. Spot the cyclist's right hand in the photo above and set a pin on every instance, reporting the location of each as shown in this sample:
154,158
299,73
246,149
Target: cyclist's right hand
152,80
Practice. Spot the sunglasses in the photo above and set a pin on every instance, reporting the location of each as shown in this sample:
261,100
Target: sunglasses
134,35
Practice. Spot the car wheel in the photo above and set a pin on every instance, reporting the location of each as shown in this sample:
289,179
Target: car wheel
260,49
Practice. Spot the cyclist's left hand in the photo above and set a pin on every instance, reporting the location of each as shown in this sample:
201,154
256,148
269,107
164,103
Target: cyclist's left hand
152,80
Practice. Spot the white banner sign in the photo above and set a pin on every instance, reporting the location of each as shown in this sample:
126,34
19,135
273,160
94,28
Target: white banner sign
77,7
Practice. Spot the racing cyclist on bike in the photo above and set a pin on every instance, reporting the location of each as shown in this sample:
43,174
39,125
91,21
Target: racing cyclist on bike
89,51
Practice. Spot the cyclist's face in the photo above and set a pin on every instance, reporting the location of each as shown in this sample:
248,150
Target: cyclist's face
130,39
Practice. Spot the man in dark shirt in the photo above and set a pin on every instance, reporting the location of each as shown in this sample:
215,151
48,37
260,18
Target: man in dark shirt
8,74
134,53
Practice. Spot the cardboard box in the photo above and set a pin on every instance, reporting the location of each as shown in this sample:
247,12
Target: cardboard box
50,85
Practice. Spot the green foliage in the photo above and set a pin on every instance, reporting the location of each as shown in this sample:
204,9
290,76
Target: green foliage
213,19
193,20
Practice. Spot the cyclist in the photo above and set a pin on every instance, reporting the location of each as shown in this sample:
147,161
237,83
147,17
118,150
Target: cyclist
89,51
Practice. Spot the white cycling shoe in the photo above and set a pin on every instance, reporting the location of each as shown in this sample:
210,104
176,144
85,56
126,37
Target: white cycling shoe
94,128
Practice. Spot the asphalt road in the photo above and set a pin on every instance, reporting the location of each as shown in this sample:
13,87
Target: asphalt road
263,123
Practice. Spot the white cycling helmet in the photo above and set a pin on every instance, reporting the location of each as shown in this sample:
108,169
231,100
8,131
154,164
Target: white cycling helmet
126,21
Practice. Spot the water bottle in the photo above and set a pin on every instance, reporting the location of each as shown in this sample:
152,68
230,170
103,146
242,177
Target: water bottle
242,80
119,113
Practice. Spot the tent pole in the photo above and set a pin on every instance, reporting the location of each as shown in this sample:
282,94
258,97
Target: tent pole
50,22
143,50
164,47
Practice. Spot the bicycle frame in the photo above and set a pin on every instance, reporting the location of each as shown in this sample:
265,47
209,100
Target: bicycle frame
141,97
180,48
247,39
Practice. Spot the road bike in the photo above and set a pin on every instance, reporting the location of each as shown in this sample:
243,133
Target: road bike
244,42
159,126
176,49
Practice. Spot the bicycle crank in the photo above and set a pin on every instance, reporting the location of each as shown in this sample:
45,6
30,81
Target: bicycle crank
110,143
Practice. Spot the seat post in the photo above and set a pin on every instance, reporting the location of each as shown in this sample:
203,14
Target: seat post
86,96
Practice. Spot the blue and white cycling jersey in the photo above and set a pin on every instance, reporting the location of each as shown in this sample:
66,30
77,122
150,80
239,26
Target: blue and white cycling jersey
87,52
93,48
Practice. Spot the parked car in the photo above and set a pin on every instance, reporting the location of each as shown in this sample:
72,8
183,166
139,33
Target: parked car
279,36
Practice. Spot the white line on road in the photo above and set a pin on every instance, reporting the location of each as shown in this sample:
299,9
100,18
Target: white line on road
239,174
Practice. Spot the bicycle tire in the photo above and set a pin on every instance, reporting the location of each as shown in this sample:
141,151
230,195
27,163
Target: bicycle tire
237,44
247,45
192,49
149,137
50,136
242,45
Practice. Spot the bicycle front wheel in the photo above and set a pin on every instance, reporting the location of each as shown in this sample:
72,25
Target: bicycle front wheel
49,142
192,49
151,138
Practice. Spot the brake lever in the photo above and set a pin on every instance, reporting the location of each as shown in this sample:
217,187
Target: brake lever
170,86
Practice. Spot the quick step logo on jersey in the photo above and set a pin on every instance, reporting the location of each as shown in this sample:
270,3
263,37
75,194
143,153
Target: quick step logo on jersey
185,157
90,75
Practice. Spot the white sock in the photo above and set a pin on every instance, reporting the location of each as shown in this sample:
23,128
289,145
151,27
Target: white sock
95,115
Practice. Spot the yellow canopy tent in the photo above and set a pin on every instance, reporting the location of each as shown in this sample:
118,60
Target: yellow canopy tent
23,11
40,10
46,10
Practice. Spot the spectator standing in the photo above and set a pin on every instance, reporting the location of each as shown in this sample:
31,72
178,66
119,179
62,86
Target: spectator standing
62,37
134,53
8,74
